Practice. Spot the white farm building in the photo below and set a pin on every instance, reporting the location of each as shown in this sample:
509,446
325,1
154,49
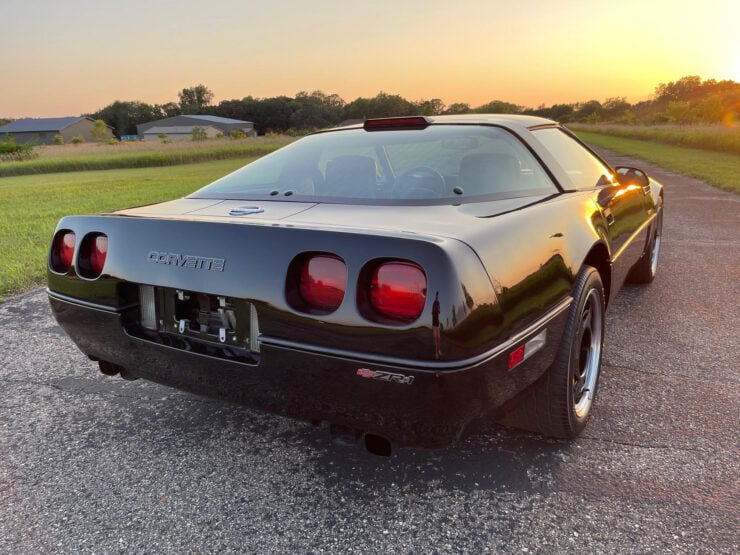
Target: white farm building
181,127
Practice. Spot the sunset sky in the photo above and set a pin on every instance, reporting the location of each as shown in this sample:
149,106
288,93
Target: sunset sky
63,58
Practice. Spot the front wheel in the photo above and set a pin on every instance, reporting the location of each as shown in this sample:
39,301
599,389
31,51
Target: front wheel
559,404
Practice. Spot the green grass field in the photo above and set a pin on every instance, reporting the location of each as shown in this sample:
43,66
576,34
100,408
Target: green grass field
30,207
717,138
137,154
721,169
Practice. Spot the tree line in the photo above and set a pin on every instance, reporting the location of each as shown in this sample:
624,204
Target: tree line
688,100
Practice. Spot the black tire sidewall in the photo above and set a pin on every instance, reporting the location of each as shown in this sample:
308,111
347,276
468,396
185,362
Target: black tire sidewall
588,280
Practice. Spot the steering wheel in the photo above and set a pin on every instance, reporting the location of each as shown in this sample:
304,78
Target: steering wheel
420,182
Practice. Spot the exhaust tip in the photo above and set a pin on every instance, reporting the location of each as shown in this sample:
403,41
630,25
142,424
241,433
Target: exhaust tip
111,369
108,368
128,376
378,445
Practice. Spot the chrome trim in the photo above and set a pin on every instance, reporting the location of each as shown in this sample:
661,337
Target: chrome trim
87,304
534,345
656,244
254,330
428,365
592,364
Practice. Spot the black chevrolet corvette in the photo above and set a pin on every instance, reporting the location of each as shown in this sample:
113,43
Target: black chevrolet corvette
396,279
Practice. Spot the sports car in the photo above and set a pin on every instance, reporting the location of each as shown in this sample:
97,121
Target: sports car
393,280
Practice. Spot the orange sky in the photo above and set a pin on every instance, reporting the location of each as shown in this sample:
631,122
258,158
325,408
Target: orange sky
77,56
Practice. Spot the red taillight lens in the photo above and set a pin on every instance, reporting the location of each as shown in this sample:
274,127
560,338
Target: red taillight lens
323,281
398,290
93,252
62,251
98,254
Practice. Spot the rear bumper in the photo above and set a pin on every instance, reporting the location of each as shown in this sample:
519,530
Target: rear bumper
426,405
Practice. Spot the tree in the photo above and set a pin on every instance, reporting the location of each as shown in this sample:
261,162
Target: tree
589,111
557,112
458,108
685,89
498,107
58,139
124,116
100,131
199,134
273,114
614,107
689,100
679,112
433,107
234,109
194,100
710,110
383,105
316,110
169,109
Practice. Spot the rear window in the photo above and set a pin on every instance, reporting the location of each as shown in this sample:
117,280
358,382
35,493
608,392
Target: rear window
439,164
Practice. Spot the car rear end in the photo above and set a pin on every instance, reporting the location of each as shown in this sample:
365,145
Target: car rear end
311,323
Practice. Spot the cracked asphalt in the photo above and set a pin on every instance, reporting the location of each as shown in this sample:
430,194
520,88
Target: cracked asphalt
92,464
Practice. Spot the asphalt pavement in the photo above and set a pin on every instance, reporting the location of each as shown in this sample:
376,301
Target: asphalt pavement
92,464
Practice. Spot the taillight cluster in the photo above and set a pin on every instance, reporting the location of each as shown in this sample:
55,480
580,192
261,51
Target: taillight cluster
91,256
388,291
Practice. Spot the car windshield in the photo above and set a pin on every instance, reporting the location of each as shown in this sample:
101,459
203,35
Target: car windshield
438,164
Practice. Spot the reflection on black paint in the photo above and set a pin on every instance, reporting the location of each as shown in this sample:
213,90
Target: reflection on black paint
435,327
518,304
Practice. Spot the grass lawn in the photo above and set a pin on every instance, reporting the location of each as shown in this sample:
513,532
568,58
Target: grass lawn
718,138
721,169
138,154
30,207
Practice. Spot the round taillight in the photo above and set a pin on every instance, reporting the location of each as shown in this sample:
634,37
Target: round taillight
323,281
93,252
398,290
63,250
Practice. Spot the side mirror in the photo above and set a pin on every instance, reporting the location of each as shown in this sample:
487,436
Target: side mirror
629,176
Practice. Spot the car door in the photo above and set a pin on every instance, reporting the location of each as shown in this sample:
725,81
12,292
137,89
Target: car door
622,205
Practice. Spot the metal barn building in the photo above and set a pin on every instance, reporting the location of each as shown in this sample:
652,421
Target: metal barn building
42,130
181,127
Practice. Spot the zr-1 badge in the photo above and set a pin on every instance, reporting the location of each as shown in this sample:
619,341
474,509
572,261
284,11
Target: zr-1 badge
384,376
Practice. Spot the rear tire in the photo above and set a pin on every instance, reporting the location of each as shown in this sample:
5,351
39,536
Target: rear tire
646,268
559,403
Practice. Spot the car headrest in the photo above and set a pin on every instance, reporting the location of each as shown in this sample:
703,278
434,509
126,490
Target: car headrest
489,172
350,176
